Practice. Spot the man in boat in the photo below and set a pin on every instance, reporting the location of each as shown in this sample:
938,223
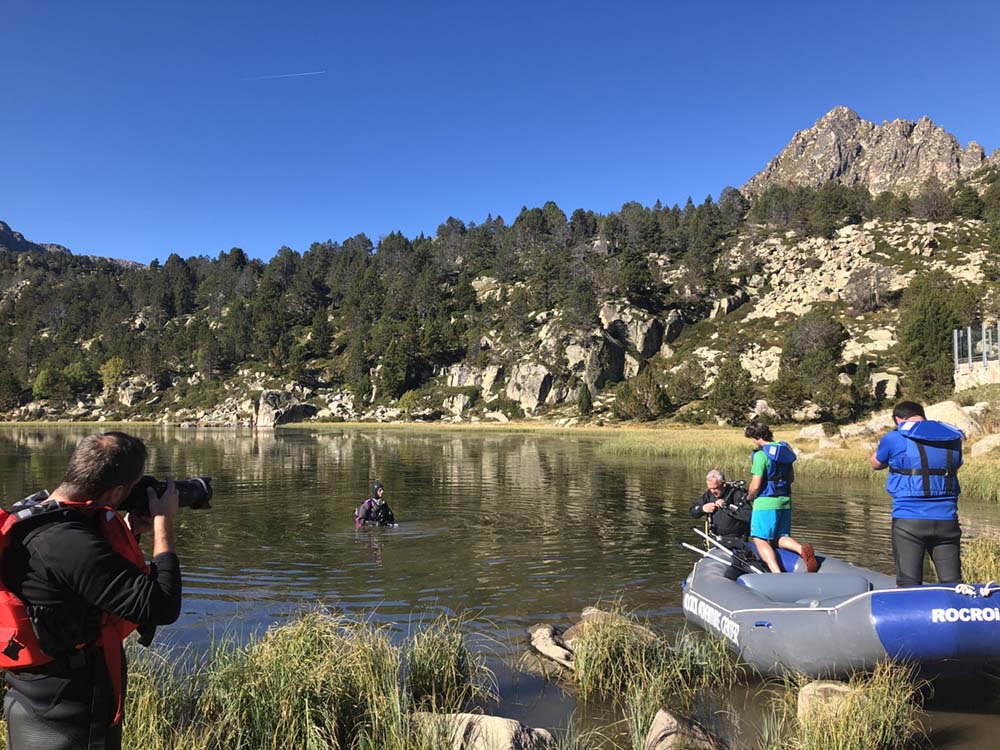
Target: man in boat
725,506
923,457
374,511
74,570
770,491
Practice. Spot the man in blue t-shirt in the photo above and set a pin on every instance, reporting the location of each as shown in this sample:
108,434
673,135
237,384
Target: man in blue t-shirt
923,457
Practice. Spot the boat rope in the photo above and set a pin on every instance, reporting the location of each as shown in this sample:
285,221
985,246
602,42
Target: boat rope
967,589
988,589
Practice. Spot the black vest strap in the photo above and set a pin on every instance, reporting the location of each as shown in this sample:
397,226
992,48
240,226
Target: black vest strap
925,472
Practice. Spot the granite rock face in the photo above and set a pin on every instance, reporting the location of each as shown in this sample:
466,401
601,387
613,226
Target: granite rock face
900,156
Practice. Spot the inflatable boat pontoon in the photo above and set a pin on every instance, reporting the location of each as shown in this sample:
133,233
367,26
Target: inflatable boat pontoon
841,619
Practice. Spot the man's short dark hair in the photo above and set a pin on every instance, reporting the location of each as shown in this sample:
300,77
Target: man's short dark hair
907,409
103,461
757,430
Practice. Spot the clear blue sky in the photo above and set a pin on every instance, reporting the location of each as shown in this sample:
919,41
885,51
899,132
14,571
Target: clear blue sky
134,129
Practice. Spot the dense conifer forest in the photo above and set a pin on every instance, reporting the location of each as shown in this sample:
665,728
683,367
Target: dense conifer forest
383,316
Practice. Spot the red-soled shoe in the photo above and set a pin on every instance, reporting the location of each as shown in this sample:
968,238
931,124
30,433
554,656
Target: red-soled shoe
809,557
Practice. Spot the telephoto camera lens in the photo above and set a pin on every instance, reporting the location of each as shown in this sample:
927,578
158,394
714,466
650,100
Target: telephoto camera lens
194,493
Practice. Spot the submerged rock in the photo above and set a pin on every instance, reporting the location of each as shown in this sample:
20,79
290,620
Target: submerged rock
822,696
547,642
671,732
477,732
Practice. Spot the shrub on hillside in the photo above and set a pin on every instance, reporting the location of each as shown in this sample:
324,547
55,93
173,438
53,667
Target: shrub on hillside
686,383
641,398
732,392
808,370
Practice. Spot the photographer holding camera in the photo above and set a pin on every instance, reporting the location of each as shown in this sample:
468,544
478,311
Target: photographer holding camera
72,568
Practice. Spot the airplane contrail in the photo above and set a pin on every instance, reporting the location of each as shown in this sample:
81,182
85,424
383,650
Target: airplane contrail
286,75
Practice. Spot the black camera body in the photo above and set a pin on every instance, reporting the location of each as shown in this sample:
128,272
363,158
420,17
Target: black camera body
194,493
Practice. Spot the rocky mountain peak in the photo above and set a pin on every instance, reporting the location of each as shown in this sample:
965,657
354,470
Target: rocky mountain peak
900,155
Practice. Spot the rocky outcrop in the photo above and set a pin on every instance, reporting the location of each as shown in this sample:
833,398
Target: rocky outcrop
672,326
458,403
529,384
729,304
281,407
596,360
487,289
637,329
134,390
884,385
797,273
988,444
762,364
900,156
955,415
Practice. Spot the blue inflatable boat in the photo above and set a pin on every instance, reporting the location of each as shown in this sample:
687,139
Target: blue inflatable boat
842,619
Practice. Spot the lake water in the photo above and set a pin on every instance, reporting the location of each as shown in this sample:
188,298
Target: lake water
508,528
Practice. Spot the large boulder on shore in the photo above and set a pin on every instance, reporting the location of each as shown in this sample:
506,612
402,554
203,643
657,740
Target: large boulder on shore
953,414
477,732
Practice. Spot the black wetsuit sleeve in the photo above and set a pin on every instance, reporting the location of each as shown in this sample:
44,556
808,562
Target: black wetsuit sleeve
696,506
78,558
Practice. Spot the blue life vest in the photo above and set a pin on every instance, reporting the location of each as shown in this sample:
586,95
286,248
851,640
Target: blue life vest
929,468
780,458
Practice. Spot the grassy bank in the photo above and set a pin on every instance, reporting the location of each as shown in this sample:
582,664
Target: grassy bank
726,448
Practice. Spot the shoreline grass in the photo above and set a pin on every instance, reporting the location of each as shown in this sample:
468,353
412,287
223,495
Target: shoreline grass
622,662
881,710
317,681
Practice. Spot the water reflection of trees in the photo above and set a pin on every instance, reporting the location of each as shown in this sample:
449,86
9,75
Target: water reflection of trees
506,521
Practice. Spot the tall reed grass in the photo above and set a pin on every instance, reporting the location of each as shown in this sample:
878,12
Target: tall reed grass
981,560
619,661
442,674
319,682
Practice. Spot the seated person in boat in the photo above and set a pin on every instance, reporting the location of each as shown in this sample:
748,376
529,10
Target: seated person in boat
726,507
770,491
374,511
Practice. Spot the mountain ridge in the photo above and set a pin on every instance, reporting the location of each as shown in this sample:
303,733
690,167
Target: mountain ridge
898,156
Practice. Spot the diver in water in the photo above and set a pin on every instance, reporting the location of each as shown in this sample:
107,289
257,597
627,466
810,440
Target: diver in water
374,511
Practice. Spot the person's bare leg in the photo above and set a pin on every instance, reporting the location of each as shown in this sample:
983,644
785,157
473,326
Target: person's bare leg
766,553
786,542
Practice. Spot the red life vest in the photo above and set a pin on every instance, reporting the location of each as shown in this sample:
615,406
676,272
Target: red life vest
19,648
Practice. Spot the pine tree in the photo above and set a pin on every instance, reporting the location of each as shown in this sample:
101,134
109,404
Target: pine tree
732,393
584,401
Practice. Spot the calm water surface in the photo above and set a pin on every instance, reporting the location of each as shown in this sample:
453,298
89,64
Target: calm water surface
508,528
